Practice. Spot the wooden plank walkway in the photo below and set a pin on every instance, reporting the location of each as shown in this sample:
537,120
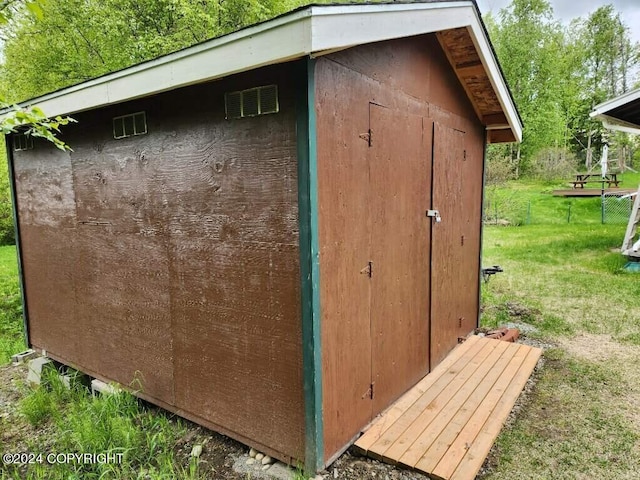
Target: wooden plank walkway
446,424
590,192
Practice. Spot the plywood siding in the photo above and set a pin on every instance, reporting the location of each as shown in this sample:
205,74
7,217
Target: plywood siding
411,77
171,259
344,239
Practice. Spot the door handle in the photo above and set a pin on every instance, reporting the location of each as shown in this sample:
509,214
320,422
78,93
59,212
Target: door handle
434,214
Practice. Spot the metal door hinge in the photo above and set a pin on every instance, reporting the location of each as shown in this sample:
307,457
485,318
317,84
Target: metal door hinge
368,270
464,155
434,214
366,137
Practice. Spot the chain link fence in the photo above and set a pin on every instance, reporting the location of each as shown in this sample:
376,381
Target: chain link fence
504,207
616,208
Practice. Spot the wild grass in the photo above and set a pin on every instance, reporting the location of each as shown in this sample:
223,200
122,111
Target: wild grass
567,280
111,424
11,325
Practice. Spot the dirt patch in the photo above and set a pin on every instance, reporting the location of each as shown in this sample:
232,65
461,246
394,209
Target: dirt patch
599,348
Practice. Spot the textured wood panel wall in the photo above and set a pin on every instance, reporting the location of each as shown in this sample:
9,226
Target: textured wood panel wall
412,76
170,261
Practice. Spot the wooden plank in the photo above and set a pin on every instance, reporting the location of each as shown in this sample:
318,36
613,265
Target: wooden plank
448,386
400,179
478,451
387,418
344,240
471,70
464,368
632,226
449,269
433,420
306,143
446,46
504,135
450,447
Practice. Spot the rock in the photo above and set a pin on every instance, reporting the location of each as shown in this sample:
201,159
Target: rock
266,467
318,477
259,456
267,460
253,453
335,473
196,451
251,461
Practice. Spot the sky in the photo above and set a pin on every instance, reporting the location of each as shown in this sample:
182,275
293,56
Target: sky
566,10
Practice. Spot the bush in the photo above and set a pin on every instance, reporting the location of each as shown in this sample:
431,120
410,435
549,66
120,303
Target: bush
499,167
551,164
7,234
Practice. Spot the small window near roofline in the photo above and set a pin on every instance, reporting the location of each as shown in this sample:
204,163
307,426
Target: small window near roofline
22,141
130,125
251,102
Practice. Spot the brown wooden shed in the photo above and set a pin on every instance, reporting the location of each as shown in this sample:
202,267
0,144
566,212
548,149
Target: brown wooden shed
274,233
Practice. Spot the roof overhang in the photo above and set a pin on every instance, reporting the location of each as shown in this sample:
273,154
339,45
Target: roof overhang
314,31
621,113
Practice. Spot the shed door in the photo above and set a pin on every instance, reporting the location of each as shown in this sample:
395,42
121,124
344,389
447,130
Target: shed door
450,246
400,194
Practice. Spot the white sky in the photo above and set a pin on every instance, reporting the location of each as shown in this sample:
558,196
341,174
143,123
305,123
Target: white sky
566,10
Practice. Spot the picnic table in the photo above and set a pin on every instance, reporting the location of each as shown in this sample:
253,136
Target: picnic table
611,179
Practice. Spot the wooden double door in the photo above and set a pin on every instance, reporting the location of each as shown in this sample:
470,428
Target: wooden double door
418,268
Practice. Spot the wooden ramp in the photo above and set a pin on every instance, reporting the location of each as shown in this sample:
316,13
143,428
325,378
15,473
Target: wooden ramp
446,424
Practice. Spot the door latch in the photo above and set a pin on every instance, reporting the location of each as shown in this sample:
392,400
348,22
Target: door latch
434,214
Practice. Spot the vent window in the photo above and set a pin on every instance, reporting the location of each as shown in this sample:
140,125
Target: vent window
22,141
252,102
130,125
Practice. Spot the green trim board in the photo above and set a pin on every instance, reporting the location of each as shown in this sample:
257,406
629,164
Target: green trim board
16,227
309,265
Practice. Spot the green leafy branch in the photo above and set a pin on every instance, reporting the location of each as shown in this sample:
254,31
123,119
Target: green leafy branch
33,122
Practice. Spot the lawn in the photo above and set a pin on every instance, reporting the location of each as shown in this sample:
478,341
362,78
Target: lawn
581,419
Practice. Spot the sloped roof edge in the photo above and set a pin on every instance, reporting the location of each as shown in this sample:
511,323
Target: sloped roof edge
309,31
620,113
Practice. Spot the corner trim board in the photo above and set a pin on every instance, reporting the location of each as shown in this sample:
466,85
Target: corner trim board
16,228
309,266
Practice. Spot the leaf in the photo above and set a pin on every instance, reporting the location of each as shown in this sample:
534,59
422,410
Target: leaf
35,9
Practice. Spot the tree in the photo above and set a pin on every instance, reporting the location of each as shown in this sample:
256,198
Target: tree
75,40
558,74
529,44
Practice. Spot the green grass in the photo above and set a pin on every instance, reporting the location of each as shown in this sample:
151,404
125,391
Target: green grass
567,281
571,273
527,202
11,325
113,424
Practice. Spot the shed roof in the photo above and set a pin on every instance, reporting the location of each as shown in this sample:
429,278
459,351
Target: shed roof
314,31
620,113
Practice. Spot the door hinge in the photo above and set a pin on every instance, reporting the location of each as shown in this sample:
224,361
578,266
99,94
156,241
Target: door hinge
370,393
368,270
464,155
366,137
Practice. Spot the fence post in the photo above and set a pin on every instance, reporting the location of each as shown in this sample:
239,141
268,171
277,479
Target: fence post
602,208
569,214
